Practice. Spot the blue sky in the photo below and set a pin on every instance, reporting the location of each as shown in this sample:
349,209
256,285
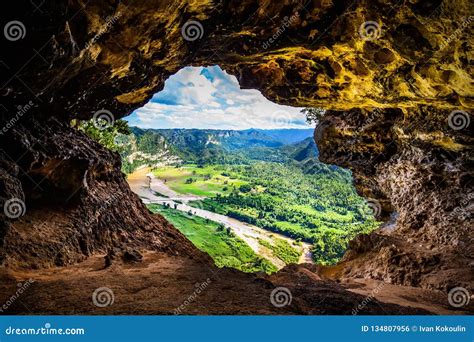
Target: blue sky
197,97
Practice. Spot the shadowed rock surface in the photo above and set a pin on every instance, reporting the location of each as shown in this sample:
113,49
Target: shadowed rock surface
167,285
420,171
389,96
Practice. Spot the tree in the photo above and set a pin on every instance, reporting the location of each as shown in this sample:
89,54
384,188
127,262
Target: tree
313,115
245,188
109,136
116,137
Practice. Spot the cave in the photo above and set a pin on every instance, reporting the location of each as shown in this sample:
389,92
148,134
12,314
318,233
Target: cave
396,84
237,174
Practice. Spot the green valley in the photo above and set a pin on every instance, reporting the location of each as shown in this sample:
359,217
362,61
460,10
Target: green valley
226,249
270,179
320,208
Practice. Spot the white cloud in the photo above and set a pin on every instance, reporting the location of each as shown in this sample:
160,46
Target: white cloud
210,98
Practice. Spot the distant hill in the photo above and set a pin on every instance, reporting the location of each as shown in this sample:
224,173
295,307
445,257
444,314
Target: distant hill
301,150
288,136
171,146
229,139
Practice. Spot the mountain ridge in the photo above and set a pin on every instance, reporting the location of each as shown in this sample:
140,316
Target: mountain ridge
149,146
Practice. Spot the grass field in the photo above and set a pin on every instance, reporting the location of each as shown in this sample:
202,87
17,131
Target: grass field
226,249
199,181
321,208
283,250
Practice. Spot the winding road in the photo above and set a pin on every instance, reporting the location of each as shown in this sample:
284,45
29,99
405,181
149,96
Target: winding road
147,186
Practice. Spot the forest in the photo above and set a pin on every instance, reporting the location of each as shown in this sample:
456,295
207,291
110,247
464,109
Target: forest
268,178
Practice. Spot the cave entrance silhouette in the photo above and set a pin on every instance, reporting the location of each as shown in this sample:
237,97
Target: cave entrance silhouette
243,172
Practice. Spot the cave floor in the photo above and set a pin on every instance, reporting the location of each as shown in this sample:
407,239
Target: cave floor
161,283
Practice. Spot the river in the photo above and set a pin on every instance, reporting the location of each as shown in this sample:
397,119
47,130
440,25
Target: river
144,184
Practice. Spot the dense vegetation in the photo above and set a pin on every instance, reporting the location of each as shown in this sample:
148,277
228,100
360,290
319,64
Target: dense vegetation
116,136
283,250
215,147
320,208
271,179
206,180
226,249
106,135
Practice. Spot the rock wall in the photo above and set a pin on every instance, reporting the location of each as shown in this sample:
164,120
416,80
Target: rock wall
419,169
75,202
390,73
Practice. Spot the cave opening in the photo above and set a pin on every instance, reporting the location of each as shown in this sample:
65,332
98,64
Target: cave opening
237,174
399,115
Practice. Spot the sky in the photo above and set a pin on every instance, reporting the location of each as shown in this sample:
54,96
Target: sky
198,97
